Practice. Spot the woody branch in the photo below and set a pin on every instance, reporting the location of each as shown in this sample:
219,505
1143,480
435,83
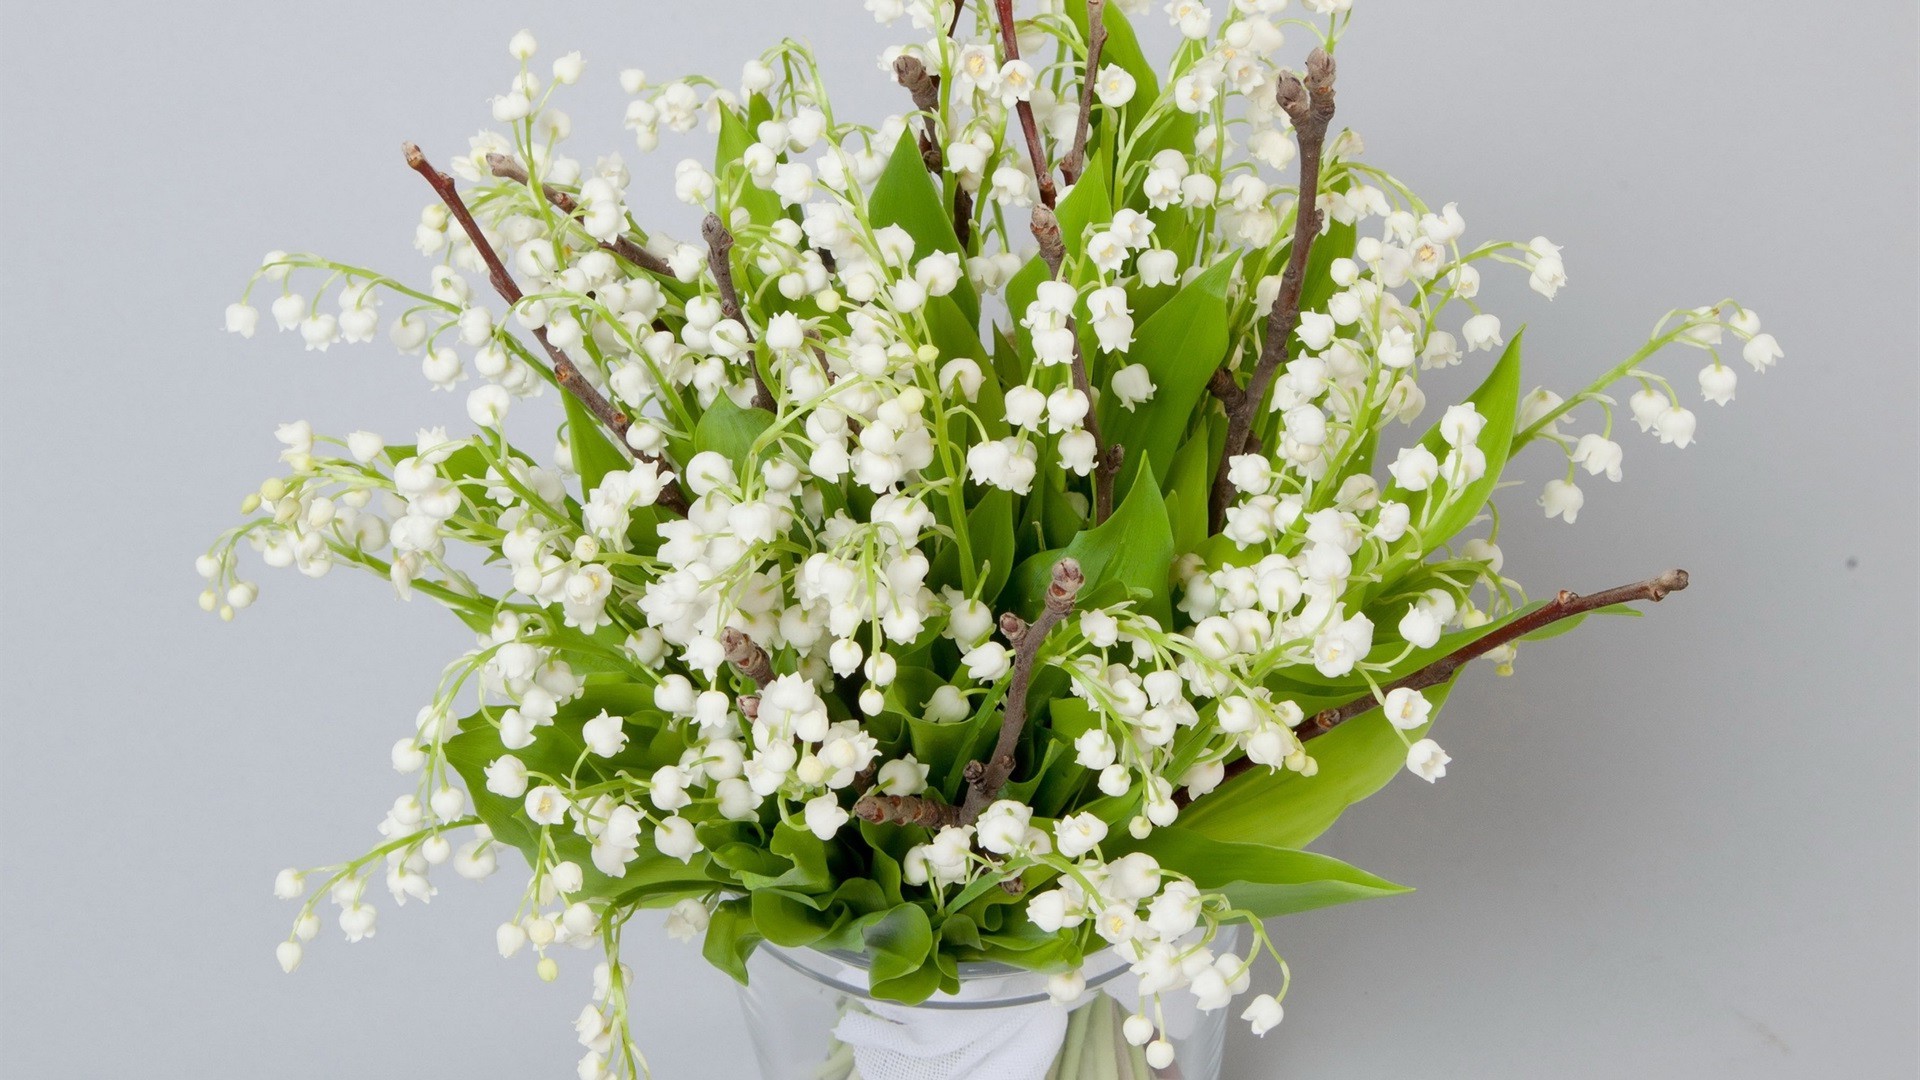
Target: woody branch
565,373
987,776
1309,104
1042,174
1566,605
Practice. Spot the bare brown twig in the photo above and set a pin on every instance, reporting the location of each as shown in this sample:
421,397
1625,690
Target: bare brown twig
720,261
1566,605
925,88
508,169
565,374
1309,104
1042,174
912,74
905,810
987,776
1075,162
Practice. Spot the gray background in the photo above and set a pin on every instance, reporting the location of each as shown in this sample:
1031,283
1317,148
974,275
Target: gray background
1683,846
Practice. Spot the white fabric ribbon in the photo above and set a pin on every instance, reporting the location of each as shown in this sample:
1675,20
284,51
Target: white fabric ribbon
1016,1042
897,1042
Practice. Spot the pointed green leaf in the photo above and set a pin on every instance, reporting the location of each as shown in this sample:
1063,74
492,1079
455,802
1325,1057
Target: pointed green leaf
1497,399
729,430
731,938
1265,879
906,196
1129,554
1181,346
762,205
1285,809
594,455
1086,207
1123,50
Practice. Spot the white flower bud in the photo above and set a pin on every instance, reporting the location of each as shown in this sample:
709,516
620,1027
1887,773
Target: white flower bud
509,938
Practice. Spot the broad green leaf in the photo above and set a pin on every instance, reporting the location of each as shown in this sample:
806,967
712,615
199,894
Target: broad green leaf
787,921
1086,207
955,334
1181,346
899,944
990,545
594,455
762,205
1265,879
731,938
729,430
1189,486
1021,290
1285,809
887,847
555,751
910,689
1317,286
905,195
1497,399
807,855
1129,554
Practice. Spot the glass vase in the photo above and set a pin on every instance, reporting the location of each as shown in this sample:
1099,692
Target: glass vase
810,1018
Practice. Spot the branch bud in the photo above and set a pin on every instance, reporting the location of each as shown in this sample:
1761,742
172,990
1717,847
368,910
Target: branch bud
748,658
719,240
924,86
1046,230
1067,579
1292,95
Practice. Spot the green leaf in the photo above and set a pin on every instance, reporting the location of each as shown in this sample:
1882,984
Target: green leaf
1128,555
555,752
1264,879
905,195
594,455
1021,290
955,334
1285,809
729,430
1181,345
762,205
731,938
990,543
1088,205
1189,485
900,945
1497,399
788,921
806,856
1316,285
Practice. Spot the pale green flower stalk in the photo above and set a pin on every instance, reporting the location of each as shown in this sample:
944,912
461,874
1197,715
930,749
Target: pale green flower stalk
1006,532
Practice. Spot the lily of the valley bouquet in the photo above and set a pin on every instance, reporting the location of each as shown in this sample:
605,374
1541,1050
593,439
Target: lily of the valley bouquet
1008,533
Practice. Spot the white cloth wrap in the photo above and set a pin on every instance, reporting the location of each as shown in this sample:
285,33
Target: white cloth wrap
1017,1042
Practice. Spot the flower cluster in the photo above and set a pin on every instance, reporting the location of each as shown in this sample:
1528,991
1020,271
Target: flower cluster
971,528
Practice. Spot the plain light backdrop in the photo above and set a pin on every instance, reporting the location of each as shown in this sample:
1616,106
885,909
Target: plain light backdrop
1679,846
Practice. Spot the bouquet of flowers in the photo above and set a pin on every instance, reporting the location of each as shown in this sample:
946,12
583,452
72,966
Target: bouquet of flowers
1006,533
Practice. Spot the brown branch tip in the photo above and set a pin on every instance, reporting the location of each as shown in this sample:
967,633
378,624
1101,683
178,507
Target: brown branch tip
1565,605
